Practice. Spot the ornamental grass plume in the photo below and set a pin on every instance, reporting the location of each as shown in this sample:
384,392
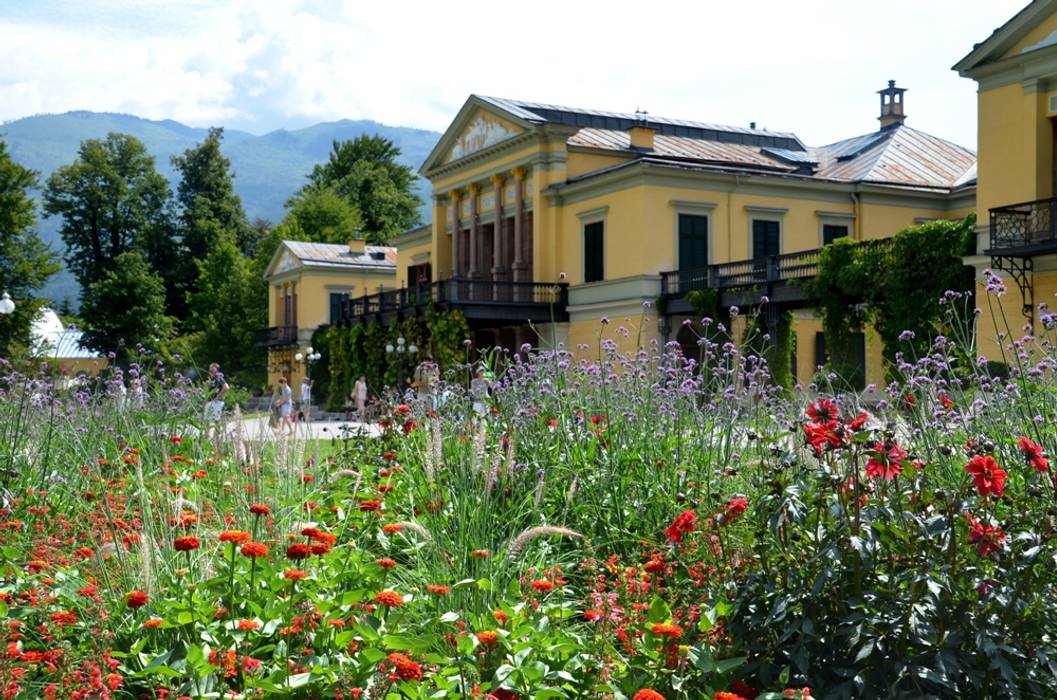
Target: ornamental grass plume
517,546
415,528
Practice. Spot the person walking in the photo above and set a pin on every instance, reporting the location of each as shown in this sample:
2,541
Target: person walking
306,399
359,397
217,387
425,381
479,389
284,402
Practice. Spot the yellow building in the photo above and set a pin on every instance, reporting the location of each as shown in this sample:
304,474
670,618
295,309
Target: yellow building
307,284
1016,71
61,347
632,208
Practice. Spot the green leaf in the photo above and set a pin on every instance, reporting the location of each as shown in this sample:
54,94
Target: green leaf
727,665
659,611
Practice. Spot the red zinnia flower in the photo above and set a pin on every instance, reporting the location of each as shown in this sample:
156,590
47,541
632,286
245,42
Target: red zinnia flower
683,524
987,476
647,694
487,637
254,550
368,506
593,615
391,528
136,599
542,585
386,563
298,550
235,536
404,667
501,617
153,622
390,599
260,509
722,695
186,544
664,629
1035,455
438,590
480,553
294,574
64,617
248,624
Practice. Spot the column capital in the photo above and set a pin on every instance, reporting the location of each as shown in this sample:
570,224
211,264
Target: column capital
498,179
519,173
473,188
455,195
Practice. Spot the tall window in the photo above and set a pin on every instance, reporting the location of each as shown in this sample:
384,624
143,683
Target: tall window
693,241
831,232
765,238
335,306
594,252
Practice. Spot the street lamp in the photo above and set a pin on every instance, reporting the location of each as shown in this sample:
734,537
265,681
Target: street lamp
308,357
7,306
402,350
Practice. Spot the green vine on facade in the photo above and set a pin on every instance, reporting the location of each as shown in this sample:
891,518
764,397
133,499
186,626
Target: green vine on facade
893,286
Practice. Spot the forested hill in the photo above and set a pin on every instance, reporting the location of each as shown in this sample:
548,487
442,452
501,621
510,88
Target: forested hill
268,168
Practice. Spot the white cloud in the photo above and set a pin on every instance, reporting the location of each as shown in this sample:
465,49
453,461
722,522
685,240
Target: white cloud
811,67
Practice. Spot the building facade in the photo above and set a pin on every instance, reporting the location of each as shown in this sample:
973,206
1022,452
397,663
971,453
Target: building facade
307,283
1016,73
630,209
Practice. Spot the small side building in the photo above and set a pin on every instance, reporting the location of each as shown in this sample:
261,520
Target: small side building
62,348
306,284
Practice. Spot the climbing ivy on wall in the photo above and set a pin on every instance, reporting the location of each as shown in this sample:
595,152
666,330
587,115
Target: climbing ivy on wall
894,286
447,331
777,350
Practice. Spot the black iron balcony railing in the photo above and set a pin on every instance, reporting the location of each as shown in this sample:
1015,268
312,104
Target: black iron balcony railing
276,337
742,273
458,292
1025,228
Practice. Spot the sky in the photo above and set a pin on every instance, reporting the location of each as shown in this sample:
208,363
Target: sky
811,67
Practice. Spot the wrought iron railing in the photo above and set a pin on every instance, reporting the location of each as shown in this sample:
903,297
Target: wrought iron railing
457,291
276,336
742,273
1025,225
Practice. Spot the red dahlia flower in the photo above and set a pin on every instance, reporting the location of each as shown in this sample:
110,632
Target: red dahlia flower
822,411
987,476
988,537
733,508
1035,455
404,667
682,525
885,461
647,694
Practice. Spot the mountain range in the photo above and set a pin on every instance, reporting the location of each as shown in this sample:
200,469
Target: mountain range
268,168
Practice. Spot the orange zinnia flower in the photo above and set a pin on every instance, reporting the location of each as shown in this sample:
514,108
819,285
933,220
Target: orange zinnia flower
390,599
254,550
235,536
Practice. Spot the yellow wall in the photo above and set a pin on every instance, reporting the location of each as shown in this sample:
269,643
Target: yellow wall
1037,33
1015,147
581,162
408,255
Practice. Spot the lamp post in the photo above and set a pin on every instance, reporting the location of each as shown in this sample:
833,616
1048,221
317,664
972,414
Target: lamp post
402,350
308,357
7,306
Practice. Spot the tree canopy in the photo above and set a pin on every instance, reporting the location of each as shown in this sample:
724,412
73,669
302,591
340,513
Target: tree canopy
25,261
365,172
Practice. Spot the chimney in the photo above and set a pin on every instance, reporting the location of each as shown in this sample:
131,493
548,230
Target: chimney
357,246
641,133
892,113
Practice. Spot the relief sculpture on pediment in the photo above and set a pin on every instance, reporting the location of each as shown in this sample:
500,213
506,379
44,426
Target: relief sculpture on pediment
481,133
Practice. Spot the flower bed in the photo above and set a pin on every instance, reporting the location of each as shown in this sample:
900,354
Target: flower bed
631,527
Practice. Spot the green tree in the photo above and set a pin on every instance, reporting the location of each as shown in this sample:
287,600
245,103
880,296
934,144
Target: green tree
228,304
319,214
111,200
25,261
208,205
366,172
125,309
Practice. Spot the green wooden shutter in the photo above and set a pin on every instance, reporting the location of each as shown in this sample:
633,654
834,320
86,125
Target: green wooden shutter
764,238
594,252
831,232
693,241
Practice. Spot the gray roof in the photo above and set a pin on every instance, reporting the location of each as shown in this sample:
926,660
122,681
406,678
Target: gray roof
538,113
67,346
899,155
340,256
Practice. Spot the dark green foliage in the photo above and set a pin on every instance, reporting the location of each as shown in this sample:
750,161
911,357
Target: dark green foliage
228,303
320,214
894,286
111,200
125,309
366,173
25,261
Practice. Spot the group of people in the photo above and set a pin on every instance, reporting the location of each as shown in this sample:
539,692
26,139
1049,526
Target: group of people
423,383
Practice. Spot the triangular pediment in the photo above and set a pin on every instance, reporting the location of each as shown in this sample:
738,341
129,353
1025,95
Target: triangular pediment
282,261
479,125
1033,28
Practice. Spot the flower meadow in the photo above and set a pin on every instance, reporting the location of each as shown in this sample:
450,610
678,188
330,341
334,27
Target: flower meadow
639,527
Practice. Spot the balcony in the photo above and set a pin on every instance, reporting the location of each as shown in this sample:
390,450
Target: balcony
484,303
276,337
1024,230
